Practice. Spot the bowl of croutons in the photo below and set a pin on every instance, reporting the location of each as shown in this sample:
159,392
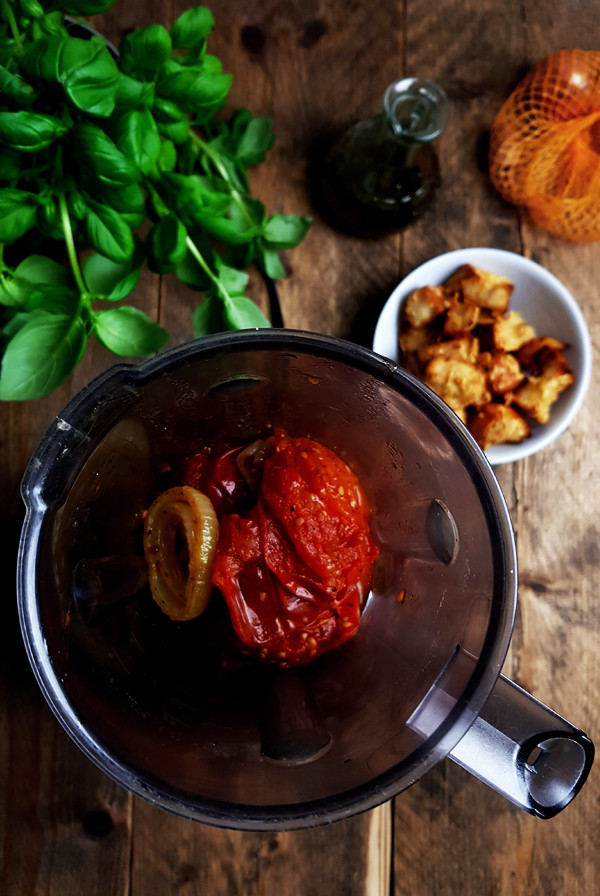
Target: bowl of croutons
499,338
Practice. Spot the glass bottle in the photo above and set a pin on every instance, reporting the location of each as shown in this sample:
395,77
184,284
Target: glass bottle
380,175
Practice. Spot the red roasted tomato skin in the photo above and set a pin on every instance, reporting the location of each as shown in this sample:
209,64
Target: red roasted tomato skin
296,568
218,476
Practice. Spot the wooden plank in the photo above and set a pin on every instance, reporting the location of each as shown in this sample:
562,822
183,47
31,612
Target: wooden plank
281,57
350,856
469,840
307,65
64,827
58,813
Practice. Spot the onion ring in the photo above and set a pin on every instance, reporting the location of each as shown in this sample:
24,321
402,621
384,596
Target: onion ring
180,590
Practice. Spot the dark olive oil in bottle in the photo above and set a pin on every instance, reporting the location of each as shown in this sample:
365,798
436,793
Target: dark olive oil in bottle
380,175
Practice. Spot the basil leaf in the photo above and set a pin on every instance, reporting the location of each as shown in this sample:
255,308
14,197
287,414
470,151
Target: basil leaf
97,152
84,7
12,323
269,261
194,89
136,135
285,231
233,280
129,332
89,75
10,165
236,173
240,256
76,203
32,8
17,291
14,293
210,64
110,280
29,131
255,141
39,280
167,159
193,196
14,87
128,199
107,232
167,111
42,58
209,317
177,131
192,28
56,299
241,313
7,49
166,244
38,269
49,220
143,52
131,93
41,355
18,210
191,273
226,229
242,225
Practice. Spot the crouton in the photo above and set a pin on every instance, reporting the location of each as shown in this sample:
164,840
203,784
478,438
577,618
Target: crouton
481,357
495,423
460,384
460,317
510,332
424,305
538,393
503,370
463,348
482,288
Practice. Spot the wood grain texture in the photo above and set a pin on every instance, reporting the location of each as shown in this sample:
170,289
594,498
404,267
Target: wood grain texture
477,843
314,65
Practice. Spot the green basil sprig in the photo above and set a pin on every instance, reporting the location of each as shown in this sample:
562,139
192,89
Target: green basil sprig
112,162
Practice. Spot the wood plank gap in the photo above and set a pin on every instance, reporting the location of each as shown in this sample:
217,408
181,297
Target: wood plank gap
392,865
379,851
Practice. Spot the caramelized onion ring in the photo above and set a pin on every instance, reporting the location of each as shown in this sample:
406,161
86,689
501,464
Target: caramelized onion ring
182,592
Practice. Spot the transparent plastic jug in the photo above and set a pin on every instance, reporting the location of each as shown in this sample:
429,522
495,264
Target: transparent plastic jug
256,747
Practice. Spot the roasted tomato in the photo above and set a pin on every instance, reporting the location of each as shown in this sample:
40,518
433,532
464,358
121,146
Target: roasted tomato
218,475
295,570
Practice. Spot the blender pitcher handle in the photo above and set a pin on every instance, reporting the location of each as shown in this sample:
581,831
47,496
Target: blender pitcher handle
525,751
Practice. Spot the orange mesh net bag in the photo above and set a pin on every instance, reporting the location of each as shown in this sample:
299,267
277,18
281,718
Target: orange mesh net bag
545,145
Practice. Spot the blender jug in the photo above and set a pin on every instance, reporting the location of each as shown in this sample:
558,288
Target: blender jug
156,705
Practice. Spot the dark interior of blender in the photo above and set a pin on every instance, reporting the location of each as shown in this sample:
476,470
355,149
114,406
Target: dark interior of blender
164,698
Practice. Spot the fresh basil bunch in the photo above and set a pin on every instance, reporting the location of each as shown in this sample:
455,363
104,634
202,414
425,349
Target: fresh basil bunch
97,149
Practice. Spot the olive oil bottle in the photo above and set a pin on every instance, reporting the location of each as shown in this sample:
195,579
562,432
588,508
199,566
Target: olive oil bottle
380,175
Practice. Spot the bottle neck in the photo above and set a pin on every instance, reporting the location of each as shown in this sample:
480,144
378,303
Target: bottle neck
415,110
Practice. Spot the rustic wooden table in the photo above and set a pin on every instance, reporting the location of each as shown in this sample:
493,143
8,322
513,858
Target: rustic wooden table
313,65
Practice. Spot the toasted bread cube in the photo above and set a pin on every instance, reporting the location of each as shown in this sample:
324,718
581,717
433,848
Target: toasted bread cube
482,288
413,339
461,317
424,305
511,332
495,424
463,348
538,393
538,352
503,371
458,383
455,281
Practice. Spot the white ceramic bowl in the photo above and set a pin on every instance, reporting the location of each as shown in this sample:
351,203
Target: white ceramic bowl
543,302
